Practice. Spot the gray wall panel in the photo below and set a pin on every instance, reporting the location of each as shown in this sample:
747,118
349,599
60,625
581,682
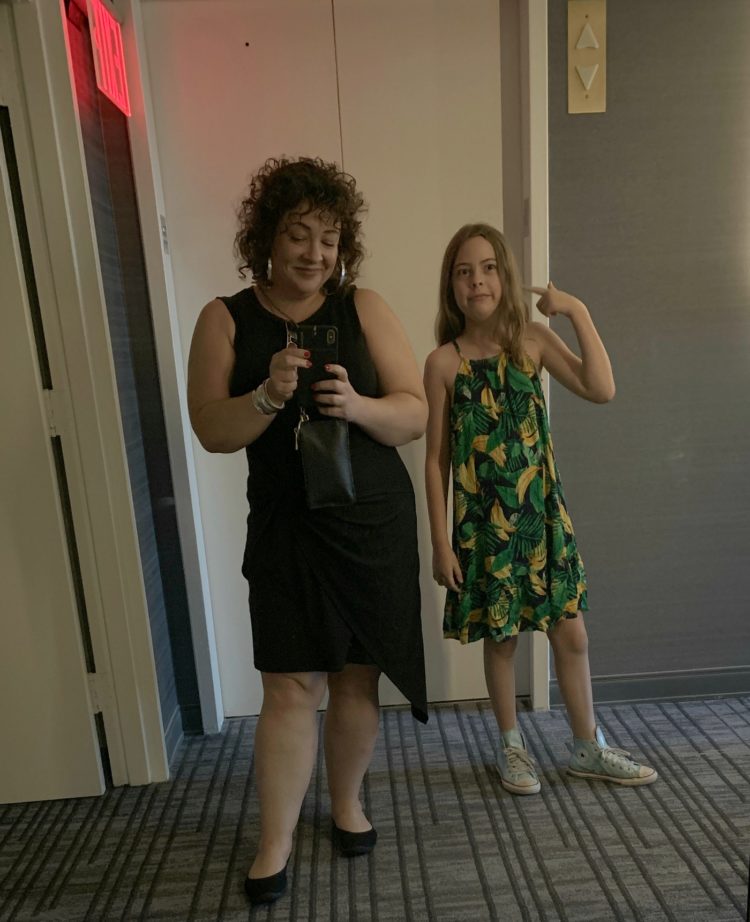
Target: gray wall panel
650,225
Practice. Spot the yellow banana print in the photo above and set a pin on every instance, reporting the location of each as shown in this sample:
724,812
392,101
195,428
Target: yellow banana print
524,480
512,535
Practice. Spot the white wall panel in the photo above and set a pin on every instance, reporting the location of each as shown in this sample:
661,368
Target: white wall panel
419,87
421,126
233,82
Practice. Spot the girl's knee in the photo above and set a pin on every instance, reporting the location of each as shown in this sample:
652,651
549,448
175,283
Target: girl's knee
569,636
502,649
293,689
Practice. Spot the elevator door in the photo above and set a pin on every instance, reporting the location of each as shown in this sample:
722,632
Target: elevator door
49,741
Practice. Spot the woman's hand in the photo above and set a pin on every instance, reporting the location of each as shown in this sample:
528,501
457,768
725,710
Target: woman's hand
282,372
553,301
445,568
336,396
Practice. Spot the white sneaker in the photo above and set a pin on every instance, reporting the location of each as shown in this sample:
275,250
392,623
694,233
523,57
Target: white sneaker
596,760
517,771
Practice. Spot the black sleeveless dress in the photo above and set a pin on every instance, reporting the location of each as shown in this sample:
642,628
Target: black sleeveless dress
327,585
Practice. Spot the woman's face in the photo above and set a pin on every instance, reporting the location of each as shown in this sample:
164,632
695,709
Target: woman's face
476,282
305,251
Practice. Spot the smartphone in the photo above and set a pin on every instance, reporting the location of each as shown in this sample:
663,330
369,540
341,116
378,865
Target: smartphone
322,342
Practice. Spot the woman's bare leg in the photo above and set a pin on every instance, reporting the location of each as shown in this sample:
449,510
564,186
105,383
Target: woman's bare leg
351,729
286,742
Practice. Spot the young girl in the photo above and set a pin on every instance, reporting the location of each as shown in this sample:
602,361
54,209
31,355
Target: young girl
514,564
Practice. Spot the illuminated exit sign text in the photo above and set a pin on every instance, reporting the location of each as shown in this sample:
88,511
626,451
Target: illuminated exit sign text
109,61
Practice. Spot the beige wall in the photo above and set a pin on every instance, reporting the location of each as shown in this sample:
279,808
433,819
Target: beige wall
407,96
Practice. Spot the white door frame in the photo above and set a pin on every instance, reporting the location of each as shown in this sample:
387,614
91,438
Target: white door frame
75,316
172,376
534,118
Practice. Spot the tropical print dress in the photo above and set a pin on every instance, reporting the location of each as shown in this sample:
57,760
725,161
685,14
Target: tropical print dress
511,530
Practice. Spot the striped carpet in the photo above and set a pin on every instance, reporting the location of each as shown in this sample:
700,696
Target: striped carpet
453,845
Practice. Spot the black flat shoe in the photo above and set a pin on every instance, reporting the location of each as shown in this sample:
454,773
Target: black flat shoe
266,889
351,844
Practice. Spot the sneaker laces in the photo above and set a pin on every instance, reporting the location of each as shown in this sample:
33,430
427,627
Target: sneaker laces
619,758
519,760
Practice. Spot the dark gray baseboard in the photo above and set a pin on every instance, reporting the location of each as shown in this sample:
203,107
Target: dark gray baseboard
192,719
653,686
184,721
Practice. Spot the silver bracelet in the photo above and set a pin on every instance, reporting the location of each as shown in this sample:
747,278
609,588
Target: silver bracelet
262,402
276,406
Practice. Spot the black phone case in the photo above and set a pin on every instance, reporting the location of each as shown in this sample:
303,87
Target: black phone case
322,342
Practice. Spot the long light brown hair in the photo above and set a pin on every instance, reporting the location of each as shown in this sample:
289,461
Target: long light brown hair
511,314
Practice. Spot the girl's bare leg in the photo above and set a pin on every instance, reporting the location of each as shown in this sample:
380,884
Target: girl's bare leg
570,646
499,671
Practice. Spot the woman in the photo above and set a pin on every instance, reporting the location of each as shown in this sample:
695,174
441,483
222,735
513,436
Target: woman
334,593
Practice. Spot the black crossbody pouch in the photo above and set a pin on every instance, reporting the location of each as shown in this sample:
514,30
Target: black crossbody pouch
323,443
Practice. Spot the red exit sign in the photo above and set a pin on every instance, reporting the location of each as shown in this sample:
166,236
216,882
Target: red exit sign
109,60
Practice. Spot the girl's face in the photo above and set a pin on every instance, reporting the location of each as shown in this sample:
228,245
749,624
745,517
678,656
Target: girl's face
305,251
476,281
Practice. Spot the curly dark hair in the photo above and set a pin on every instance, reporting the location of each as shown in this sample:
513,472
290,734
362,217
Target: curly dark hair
283,184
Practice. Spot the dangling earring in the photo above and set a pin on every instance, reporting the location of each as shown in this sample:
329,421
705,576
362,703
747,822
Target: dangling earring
342,274
269,272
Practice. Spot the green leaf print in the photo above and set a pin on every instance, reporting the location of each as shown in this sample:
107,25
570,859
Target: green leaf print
508,498
474,508
516,462
465,531
487,471
464,445
489,542
493,592
491,379
502,560
556,539
516,548
478,418
519,380
519,405
536,494
506,428
529,532
494,439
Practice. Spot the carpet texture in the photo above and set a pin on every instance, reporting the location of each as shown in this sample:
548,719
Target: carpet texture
453,845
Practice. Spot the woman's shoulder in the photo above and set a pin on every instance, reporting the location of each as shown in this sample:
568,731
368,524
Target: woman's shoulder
215,326
368,301
375,315
217,313
223,313
230,304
